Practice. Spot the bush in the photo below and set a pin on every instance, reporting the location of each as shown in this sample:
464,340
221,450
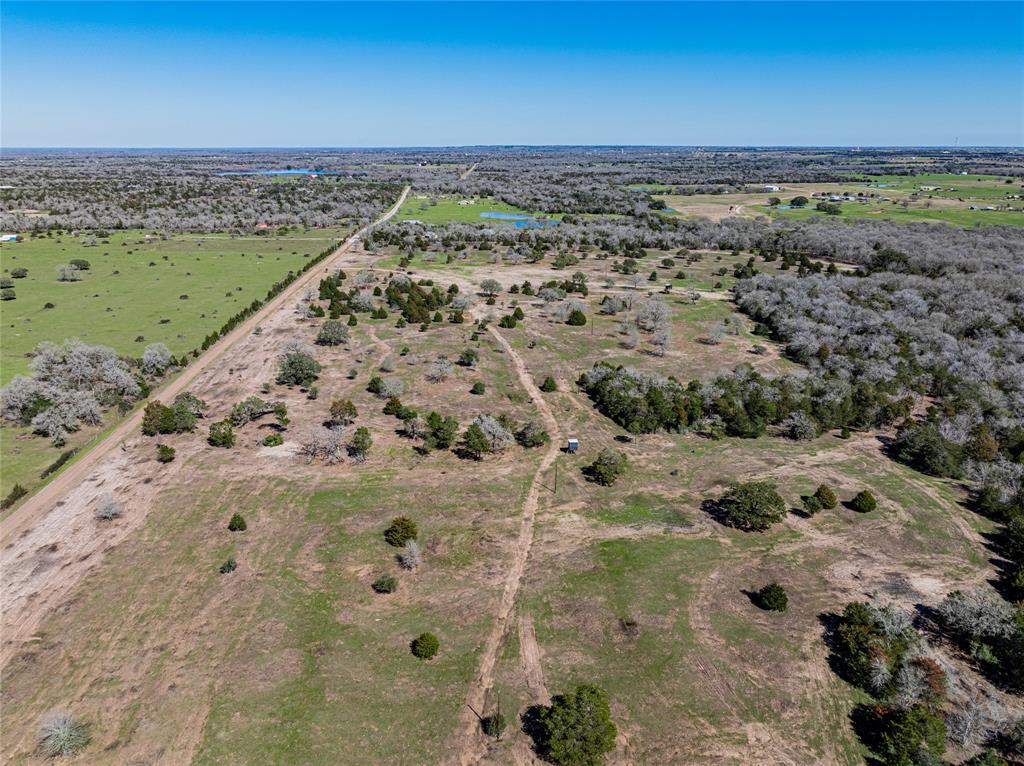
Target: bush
359,446
812,505
385,584
17,492
607,467
297,369
343,411
228,566
826,496
402,529
863,502
772,597
165,453
576,729
221,434
62,734
237,523
333,332
493,725
576,318
474,442
549,385
478,388
273,440
752,506
425,646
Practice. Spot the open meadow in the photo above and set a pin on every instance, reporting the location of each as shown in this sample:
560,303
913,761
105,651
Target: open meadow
753,482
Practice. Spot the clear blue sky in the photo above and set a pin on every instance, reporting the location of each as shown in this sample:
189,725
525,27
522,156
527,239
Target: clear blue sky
421,74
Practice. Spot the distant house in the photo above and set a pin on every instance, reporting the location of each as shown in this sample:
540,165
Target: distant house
262,226
772,187
8,237
572,445
465,202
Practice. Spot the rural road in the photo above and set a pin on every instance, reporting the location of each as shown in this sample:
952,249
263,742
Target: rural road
43,501
469,170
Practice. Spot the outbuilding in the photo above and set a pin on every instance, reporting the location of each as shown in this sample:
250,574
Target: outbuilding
572,446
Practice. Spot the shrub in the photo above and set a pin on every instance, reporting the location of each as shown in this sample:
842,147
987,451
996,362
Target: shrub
237,523
812,505
751,506
425,646
401,530
221,434
385,584
343,411
469,357
607,467
359,446
165,453
17,492
478,388
532,435
576,318
548,385
228,566
19,273
826,496
333,332
863,502
576,729
62,734
474,442
772,597
157,418
297,368
493,725
273,440
410,557
109,509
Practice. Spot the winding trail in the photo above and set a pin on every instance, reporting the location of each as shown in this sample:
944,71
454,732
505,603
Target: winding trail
469,746
469,170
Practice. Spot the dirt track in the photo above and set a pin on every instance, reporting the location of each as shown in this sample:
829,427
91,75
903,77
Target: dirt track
27,556
469,746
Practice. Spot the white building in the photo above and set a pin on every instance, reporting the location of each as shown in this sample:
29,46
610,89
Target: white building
772,187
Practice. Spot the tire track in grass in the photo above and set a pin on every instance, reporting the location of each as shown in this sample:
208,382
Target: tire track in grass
470,746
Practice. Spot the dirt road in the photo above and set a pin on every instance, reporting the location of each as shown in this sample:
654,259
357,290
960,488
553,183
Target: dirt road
43,501
469,170
469,746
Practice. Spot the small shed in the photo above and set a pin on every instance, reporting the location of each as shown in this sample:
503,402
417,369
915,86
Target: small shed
572,445
8,237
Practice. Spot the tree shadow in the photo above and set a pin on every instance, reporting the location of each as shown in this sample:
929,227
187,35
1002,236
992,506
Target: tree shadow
531,725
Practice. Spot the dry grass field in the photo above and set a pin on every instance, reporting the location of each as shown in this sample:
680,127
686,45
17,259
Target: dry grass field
533,578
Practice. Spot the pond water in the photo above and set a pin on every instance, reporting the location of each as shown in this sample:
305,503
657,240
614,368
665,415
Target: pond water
519,220
286,172
507,216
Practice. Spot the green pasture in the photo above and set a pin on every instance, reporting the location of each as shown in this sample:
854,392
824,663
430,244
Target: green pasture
140,289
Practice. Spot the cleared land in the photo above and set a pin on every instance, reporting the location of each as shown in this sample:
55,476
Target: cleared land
139,289
940,197
293,659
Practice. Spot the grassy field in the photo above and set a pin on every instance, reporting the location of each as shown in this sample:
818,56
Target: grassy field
887,211
293,659
448,210
949,202
135,283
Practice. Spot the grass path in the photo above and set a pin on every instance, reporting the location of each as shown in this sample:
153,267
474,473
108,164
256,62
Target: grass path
470,746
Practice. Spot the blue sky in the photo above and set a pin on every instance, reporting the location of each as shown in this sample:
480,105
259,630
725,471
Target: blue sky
427,74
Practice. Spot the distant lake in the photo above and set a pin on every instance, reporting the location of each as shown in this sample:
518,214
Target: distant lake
288,172
520,220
